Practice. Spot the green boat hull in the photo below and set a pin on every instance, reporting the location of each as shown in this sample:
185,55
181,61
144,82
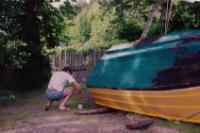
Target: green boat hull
172,60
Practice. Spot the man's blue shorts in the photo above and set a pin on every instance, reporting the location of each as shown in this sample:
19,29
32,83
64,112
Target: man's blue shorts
54,94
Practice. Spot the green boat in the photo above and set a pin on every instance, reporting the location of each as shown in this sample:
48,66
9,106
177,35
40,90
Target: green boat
159,77
158,62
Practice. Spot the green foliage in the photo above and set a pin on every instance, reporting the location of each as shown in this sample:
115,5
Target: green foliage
130,30
68,10
51,26
90,29
85,30
185,15
3,39
155,28
17,53
101,25
26,28
129,19
49,23
22,68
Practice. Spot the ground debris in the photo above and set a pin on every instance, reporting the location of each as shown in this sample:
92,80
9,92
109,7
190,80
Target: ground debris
93,111
137,123
142,124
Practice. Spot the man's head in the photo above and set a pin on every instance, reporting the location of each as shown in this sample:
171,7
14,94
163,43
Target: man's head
67,69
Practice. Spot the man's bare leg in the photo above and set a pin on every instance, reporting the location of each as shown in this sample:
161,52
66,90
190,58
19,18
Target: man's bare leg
68,93
48,105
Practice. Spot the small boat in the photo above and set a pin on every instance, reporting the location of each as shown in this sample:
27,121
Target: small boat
159,77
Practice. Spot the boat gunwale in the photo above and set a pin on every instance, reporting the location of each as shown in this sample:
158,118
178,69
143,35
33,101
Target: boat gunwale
160,88
149,91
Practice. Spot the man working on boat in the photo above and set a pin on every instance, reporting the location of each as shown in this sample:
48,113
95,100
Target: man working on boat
56,89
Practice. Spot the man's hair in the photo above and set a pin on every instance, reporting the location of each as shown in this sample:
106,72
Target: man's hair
67,69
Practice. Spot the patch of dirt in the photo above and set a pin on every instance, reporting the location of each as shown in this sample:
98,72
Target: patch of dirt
62,122
36,120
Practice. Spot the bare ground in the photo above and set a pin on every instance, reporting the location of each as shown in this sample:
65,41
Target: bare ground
30,117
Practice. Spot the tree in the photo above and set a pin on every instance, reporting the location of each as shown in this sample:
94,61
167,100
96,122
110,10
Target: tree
32,28
150,19
26,27
185,16
130,17
52,26
69,10
186,12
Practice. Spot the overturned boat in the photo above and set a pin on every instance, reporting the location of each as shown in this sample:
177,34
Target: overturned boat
159,77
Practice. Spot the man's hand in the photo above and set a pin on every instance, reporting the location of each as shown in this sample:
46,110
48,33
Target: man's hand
77,86
80,94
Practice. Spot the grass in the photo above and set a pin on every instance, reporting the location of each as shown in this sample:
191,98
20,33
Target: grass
74,101
10,118
21,98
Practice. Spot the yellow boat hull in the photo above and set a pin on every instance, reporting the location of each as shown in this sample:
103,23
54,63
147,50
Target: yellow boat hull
180,104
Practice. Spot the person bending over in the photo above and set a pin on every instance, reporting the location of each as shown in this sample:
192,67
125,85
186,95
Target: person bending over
56,88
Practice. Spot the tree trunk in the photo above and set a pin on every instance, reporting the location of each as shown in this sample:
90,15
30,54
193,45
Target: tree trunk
150,19
32,30
166,6
168,11
163,16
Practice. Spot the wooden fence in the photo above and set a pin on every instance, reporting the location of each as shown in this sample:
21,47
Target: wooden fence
80,62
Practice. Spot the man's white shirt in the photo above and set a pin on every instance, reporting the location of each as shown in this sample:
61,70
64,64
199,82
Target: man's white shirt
59,79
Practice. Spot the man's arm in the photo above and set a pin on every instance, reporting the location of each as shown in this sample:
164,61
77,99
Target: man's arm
77,87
